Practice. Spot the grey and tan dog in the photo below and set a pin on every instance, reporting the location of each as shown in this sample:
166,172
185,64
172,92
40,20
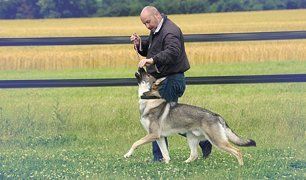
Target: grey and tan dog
160,120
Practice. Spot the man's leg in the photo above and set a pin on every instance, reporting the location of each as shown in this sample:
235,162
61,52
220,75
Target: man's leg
157,155
166,92
170,89
205,147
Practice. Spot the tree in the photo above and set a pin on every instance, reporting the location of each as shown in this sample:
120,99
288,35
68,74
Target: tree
114,8
65,9
8,9
194,6
233,5
291,4
11,9
48,8
28,9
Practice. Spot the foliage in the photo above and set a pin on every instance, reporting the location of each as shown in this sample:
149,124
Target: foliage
14,9
64,9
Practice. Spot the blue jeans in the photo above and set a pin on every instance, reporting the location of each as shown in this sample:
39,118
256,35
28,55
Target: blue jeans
170,89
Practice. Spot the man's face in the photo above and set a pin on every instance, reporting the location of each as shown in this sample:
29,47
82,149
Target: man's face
150,21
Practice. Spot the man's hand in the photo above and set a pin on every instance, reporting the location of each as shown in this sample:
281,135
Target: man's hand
145,62
135,39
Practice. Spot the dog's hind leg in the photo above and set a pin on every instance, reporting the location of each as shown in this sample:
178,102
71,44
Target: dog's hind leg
217,136
148,138
232,150
193,142
226,146
163,148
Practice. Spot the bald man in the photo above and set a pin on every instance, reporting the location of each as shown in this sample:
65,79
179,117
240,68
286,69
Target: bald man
165,58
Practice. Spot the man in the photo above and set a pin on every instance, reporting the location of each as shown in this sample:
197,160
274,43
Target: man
165,57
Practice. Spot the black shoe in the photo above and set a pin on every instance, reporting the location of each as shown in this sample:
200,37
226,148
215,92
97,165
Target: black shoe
206,148
157,159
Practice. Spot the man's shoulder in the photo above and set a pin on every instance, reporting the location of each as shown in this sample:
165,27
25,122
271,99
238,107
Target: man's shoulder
171,27
170,23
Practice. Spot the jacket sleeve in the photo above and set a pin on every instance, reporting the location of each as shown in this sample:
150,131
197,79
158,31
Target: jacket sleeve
144,48
172,50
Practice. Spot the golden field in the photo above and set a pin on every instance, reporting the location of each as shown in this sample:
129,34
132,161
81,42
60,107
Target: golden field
66,57
190,24
96,56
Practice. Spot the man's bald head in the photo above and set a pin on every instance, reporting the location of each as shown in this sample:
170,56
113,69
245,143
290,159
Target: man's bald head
149,10
150,17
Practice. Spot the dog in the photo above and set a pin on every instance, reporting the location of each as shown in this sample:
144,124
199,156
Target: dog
161,119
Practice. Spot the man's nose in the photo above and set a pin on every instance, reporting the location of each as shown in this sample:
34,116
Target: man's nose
148,26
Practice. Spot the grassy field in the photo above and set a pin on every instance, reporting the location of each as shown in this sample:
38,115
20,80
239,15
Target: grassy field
210,69
84,132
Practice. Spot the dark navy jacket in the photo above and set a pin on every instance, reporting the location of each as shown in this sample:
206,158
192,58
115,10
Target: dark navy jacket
167,50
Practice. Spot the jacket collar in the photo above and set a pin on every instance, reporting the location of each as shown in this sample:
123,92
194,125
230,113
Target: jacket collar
160,25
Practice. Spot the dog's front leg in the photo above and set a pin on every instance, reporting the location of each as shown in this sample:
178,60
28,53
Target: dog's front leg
193,142
148,138
163,148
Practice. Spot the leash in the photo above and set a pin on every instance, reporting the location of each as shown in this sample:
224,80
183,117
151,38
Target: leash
135,48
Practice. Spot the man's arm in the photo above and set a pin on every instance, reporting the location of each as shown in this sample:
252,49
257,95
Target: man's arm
172,50
141,46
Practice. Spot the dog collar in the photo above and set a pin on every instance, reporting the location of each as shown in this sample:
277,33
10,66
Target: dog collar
149,97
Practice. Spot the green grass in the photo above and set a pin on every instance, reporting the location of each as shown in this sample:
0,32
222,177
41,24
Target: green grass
210,69
84,132
92,162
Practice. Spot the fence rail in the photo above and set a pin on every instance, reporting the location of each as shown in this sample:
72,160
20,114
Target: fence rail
251,36
57,83
52,83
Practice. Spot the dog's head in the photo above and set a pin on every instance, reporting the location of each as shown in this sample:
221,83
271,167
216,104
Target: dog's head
144,80
143,77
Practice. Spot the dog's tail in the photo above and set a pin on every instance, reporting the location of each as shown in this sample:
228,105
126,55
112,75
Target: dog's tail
234,138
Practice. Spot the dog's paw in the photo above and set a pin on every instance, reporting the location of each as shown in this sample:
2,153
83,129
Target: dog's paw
190,159
127,155
167,160
187,161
